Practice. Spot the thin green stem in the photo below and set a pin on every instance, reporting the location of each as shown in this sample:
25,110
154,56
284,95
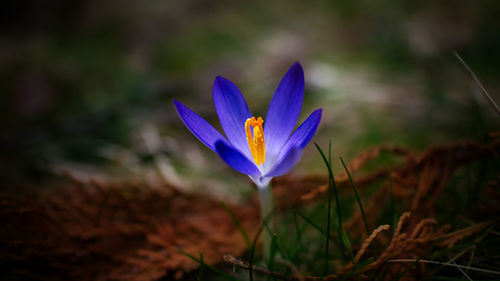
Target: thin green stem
265,220
266,207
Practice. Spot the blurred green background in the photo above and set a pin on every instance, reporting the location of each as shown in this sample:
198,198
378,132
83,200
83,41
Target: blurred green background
87,86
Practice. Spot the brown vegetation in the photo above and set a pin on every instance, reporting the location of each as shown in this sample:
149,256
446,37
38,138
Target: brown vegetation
130,231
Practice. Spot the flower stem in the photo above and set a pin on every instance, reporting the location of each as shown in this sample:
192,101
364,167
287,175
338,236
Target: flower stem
266,207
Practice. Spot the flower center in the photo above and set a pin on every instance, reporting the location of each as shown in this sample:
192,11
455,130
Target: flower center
256,141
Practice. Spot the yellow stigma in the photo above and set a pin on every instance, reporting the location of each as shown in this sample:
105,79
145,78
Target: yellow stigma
256,141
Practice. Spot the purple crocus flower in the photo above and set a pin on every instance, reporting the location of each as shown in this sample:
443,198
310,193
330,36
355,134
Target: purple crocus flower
269,150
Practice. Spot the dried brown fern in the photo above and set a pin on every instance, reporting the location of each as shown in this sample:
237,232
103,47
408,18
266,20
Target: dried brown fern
130,231
404,244
123,232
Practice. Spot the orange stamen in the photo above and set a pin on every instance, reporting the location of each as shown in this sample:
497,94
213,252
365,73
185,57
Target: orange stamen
256,141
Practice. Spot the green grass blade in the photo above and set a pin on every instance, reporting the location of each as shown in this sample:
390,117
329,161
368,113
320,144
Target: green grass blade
347,243
325,268
297,229
238,224
213,269
337,200
263,225
275,248
272,253
317,227
313,224
492,102
280,249
298,241
357,196
201,276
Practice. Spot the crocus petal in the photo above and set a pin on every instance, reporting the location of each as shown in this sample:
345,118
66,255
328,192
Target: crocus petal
205,132
286,163
235,158
284,109
299,139
233,111
304,133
